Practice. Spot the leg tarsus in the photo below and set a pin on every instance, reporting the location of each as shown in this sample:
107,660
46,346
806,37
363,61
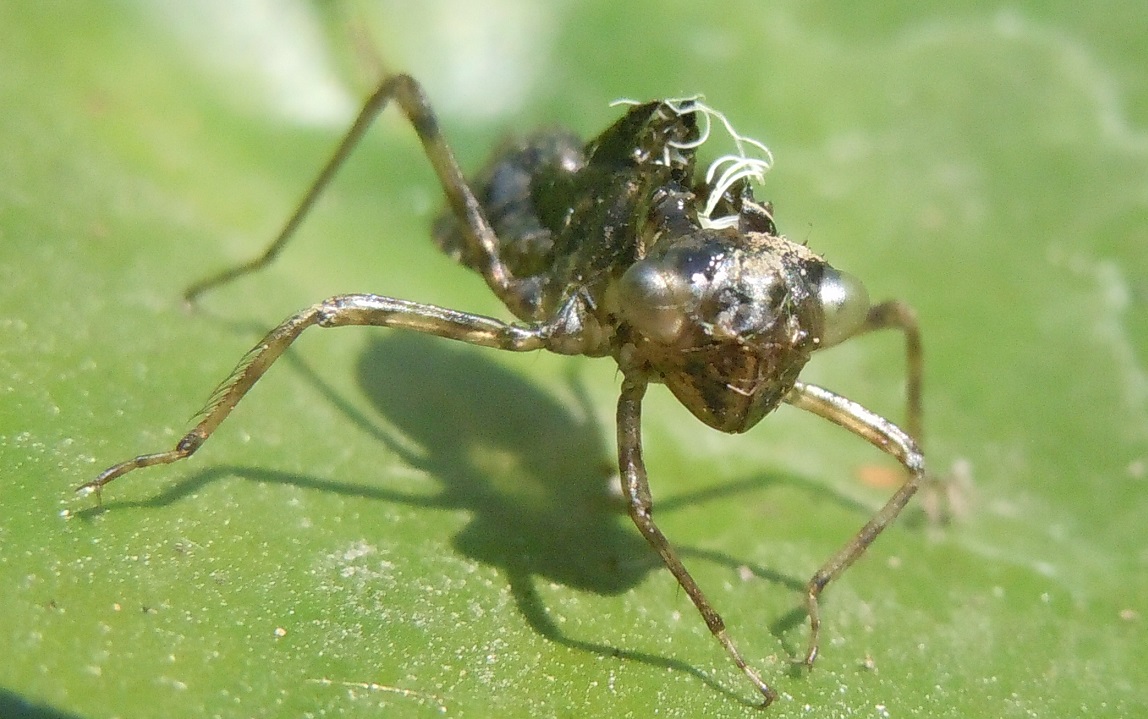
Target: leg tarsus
183,449
812,592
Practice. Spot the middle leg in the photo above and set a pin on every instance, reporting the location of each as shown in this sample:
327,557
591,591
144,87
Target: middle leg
338,311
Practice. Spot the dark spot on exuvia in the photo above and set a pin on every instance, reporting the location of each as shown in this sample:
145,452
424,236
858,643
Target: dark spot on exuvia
716,396
701,261
710,373
809,273
732,297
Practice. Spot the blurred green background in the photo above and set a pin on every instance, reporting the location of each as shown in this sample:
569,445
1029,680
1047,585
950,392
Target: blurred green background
398,526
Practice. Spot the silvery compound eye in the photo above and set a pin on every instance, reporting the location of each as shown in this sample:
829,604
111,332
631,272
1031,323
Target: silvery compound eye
844,306
656,297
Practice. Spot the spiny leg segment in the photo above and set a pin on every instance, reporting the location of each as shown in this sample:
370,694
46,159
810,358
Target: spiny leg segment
339,311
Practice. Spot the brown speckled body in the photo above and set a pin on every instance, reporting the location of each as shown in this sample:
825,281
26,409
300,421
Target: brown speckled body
600,249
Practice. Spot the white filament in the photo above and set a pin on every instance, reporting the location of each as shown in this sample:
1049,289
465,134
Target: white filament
752,159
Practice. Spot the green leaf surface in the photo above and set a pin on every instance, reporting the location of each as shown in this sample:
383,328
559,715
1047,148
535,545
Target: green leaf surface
399,526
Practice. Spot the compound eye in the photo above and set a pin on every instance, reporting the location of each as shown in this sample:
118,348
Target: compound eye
654,298
844,306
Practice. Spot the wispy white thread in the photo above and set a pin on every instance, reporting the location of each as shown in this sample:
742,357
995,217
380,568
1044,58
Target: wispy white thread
741,165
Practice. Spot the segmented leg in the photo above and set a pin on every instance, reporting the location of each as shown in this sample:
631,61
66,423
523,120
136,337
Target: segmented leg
637,491
413,102
337,311
887,437
895,314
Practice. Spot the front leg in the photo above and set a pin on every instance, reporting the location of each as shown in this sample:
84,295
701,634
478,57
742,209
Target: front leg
337,311
637,491
887,437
